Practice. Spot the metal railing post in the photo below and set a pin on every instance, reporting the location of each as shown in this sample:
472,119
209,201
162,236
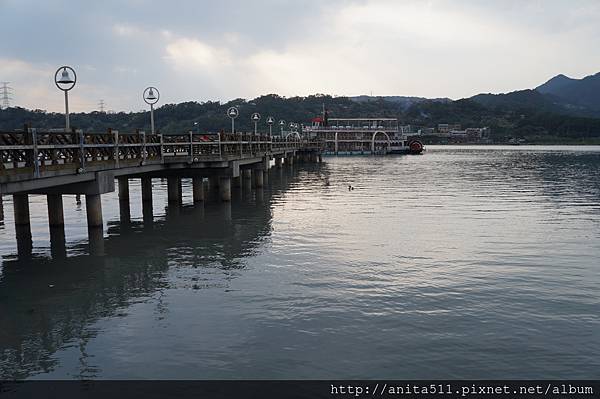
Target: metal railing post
81,150
191,148
35,154
144,155
116,143
220,151
162,151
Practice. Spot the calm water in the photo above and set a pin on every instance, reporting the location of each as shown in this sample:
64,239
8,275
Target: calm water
461,263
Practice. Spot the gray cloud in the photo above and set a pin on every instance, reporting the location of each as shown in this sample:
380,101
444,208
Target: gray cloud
201,50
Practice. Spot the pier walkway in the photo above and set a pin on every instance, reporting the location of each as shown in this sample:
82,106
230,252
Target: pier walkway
54,163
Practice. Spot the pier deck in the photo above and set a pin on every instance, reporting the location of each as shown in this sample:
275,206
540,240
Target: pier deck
54,163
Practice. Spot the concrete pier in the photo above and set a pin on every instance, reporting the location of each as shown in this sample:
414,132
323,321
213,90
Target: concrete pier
124,210
58,246
21,209
123,189
174,189
146,189
96,239
258,178
260,196
76,177
225,188
24,241
198,189
180,188
93,208
147,214
247,176
213,182
147,211
56,216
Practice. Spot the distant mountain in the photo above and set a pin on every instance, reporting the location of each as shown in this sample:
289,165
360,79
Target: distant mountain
578,93
521,100
560,95
404,102
555,84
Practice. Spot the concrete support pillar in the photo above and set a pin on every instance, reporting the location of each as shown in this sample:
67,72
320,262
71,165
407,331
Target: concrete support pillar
21,209
266,177
180,189
24,241
237,182
93,208
278,162
225,210
124,210
173,189
320,158
247,179
1,209
147,211
213,182
198,189
225,188
55,210
260,196
146,189
258,178
58,246
123,189
247,174
96,238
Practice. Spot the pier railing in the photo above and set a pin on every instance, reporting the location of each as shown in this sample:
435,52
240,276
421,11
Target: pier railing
36,151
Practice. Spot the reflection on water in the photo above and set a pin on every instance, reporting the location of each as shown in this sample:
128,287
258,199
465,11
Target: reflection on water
465,262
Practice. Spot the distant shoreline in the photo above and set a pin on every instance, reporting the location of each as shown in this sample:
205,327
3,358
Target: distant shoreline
514,145
533,142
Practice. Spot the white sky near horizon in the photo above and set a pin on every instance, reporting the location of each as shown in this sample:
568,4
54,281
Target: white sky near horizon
206,50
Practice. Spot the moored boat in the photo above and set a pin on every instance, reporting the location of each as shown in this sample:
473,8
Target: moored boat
346,136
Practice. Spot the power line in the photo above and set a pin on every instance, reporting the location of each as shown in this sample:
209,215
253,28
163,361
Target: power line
5,94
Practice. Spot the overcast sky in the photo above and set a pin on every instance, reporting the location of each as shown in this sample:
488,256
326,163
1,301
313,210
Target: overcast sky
220,50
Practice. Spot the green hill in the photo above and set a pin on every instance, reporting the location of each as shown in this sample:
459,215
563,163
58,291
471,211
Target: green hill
527,114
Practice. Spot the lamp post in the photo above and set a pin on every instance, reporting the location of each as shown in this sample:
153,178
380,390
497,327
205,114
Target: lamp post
233,113
65,83
255,118
282,125
151,96
270,121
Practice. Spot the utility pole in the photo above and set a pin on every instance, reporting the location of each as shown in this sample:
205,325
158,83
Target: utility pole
5,94
101,105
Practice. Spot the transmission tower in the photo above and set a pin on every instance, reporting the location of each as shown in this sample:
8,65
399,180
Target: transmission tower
101,105
5,94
